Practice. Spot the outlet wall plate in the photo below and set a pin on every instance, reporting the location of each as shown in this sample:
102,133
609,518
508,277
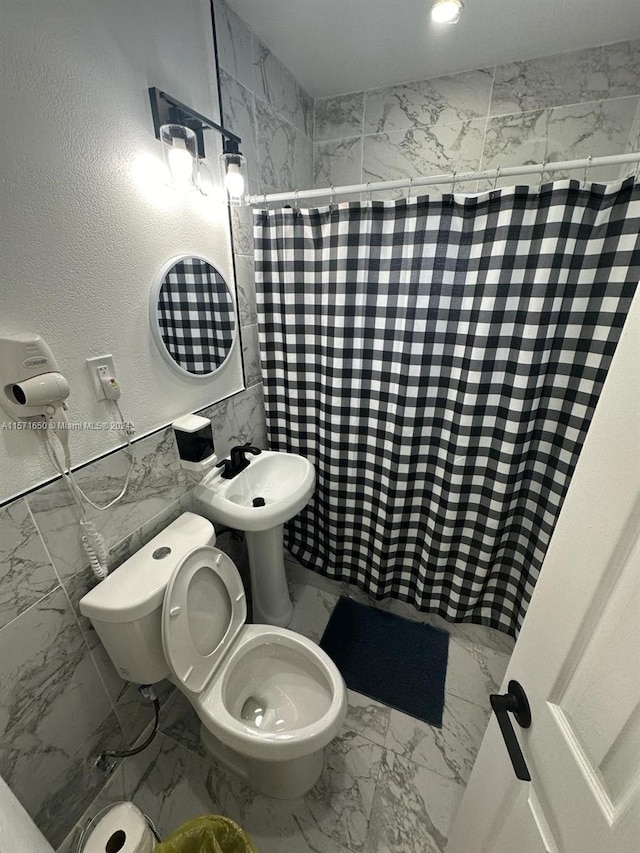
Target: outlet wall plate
92,366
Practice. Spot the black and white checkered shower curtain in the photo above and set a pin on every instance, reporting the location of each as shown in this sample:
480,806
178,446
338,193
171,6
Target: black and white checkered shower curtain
439,361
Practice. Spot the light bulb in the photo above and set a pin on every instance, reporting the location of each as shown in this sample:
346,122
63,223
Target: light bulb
446,11
180,162
234,181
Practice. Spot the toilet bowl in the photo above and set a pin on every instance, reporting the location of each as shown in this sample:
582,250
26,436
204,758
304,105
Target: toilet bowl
268,699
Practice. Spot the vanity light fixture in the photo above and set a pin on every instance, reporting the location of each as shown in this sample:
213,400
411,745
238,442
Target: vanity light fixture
447,11
181,131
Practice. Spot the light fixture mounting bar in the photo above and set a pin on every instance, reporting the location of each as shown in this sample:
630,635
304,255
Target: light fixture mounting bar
166,109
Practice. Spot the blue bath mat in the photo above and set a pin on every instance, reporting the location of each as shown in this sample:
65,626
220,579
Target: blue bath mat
393,660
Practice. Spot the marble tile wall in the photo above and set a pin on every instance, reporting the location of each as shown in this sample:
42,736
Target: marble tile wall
556,108
265,105
61,700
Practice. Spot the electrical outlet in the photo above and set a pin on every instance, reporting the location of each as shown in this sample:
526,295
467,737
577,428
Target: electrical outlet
99,367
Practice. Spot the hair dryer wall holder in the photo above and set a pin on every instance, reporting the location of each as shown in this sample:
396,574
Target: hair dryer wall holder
31,386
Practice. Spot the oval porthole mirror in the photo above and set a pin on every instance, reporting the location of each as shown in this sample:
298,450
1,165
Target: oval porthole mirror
192,316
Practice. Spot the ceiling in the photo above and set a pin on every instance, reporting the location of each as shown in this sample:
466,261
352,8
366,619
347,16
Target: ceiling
339,46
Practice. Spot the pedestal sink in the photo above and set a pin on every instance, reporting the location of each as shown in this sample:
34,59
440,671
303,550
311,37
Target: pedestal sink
272,489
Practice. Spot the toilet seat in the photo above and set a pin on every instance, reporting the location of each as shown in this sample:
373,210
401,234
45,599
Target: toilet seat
204,610
205,642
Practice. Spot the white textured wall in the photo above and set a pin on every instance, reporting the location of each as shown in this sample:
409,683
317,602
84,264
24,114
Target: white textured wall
86,220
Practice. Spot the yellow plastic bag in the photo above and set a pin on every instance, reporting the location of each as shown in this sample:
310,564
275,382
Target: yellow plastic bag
209,833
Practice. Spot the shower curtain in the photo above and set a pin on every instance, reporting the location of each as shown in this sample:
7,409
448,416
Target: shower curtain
439,361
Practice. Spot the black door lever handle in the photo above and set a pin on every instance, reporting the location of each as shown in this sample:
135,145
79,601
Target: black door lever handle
513,702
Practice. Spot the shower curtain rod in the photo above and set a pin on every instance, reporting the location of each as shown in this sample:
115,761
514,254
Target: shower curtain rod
450,178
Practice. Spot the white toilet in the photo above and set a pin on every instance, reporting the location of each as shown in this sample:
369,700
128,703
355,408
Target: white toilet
269,700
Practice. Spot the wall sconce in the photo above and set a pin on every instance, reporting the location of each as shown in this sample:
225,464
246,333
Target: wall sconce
180,155
181,131
235,173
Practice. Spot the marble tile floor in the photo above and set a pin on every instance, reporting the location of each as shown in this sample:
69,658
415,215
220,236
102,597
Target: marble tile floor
391,783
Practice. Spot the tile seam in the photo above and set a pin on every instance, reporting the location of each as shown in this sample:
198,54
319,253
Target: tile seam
563,106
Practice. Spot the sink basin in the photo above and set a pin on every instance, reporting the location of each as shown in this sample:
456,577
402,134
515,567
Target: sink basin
285,482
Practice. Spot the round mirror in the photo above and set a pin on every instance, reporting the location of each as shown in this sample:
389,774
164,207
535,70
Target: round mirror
192,316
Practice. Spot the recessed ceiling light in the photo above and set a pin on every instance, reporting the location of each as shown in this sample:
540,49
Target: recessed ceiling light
446,11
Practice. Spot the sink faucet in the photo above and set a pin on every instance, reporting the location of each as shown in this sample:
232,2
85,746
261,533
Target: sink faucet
238,461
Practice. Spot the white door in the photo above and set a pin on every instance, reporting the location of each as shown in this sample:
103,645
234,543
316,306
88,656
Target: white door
578,660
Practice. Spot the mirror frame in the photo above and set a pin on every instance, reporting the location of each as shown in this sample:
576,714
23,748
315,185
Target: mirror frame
155,323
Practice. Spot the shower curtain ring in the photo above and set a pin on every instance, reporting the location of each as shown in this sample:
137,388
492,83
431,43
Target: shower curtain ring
333,196
368,191
453,180
410,188
295,199
544,163
497,178
587,167
637,176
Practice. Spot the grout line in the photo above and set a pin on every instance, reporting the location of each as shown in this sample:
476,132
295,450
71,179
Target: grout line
364,112
83,636
486,125
56,588
77,621
163,735
187,748
278,114
112,702
375,786
562,106
340,138
258,138
313,125
419,126
470,701
44,544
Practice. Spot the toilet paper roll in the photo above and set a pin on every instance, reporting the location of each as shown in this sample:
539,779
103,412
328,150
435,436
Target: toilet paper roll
123,829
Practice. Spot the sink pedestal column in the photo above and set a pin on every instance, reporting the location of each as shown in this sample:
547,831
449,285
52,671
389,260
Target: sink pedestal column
271,602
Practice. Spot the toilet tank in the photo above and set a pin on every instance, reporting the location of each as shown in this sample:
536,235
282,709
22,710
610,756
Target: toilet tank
126,607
